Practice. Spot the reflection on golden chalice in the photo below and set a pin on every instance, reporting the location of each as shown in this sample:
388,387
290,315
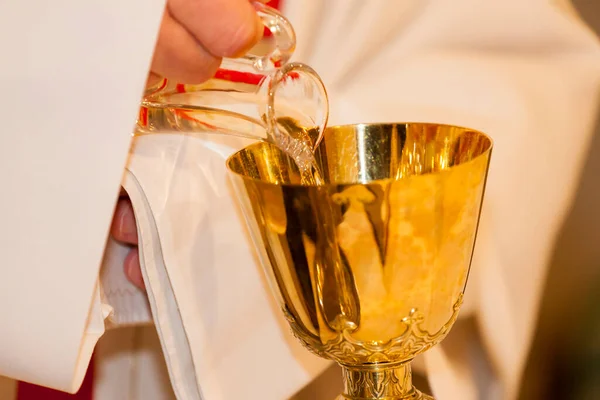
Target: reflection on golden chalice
370,267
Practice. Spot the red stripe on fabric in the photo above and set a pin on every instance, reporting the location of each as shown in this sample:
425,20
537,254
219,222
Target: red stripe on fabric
26,391
275,4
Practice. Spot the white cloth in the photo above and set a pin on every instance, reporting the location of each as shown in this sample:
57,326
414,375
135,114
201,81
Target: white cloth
527,73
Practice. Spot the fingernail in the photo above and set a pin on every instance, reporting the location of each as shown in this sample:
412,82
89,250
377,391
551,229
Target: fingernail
127,222
260,5
133,269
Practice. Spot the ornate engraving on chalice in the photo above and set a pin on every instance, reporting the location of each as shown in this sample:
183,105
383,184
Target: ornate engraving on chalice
346,349
370,266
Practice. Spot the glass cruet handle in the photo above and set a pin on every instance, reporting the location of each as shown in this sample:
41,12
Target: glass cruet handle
295,97
283,48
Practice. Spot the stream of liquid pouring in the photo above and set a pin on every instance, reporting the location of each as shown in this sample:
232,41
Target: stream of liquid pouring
302,154
338,302
297,143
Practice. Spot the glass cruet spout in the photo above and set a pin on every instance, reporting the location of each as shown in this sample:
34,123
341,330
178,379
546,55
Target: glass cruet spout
259,96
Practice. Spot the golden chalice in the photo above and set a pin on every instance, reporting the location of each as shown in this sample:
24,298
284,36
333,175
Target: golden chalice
369,267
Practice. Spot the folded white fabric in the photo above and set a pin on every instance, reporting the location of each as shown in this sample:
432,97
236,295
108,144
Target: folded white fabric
221,335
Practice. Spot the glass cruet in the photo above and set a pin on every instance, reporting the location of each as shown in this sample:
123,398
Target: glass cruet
261,95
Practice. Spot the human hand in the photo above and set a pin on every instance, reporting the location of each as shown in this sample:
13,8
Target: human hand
194,36
124,230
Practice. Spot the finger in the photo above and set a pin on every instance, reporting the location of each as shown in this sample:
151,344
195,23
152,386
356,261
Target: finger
179,56
133,270
226,28
123,227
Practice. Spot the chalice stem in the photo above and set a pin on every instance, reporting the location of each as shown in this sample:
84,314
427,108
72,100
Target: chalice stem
380,382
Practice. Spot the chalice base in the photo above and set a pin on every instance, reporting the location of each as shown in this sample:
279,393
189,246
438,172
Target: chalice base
380,382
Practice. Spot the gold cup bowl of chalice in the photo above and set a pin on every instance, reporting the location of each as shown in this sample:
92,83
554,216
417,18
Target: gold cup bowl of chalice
370,265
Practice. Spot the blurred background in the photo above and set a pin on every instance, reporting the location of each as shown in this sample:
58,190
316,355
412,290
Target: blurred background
565,360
